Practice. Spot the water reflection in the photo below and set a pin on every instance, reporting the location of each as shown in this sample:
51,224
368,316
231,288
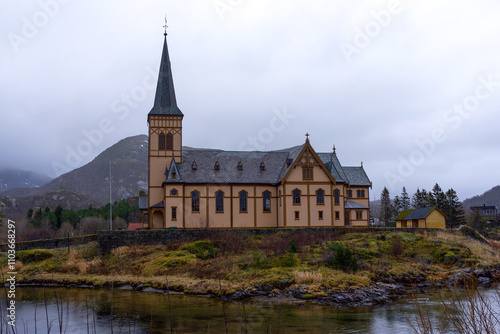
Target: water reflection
96,311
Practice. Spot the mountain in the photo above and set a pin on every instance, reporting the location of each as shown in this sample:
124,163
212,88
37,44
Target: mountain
490,197
11,178
14,207
129,170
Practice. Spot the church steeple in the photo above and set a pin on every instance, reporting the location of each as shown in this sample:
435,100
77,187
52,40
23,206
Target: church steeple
165,102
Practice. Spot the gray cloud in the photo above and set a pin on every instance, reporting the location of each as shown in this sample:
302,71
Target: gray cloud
74,71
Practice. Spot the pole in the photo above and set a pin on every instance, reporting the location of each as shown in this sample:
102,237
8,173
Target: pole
110,203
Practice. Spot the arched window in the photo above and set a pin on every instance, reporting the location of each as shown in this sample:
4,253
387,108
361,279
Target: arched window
262,166
337,196
161,142
243,201
320,196
170,142
194,166
217,165
195,201
266,196
219,201
296,196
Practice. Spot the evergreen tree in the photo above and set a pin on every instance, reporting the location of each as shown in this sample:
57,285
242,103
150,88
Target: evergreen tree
405,200
29,214
438,198
420,199
396,206
58,214
454,210
386,210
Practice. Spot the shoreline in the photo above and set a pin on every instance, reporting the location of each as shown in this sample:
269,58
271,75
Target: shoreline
385,290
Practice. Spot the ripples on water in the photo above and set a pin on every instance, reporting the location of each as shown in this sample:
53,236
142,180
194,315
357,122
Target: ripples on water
95,311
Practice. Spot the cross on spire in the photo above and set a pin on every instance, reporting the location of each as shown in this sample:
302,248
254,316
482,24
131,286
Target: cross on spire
307,136
165,26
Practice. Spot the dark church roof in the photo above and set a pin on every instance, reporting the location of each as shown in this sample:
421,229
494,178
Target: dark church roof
257,167
165,102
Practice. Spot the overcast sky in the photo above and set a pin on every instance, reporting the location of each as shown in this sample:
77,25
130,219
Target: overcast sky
411,88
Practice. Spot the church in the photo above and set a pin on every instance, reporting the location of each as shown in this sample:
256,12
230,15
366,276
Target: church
212,188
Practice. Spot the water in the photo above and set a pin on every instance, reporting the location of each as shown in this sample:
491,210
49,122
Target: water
96,311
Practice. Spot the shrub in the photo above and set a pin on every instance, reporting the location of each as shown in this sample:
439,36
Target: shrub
397,246
258,261
341,257
293,246
202,249
34,255
289,260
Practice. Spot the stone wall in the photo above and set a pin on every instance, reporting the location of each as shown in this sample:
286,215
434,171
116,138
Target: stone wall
51,243
108,240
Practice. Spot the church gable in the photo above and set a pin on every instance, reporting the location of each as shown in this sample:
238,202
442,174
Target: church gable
308,167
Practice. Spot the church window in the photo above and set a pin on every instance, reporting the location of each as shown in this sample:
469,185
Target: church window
174,175
359,214
194,166
267,201
297,215
217,165
170,142
240,165
195,201
307,173
280,196
174,213
219,201
349,193
262,166
320,215
296,197
173,192
337,215
161,142
243,201
320,196
337,197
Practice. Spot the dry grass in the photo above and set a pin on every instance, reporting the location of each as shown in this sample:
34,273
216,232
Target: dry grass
486,253
307,277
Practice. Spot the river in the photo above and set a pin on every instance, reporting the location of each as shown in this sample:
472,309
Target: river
77,310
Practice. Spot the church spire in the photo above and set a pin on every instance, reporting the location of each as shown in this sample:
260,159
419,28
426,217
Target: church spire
165,102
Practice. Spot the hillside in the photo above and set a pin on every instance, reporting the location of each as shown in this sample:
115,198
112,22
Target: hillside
490,197
129,168
11,178
15,207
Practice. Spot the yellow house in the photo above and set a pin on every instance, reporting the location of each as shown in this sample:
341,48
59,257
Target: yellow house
193,188
430,217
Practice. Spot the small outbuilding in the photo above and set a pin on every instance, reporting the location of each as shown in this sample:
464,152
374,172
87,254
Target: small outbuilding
430,217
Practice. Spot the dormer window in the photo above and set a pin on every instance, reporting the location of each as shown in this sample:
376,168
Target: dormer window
217,165
240,165
262,166
194,166
174,175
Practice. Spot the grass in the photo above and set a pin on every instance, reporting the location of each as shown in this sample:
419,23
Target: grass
196,267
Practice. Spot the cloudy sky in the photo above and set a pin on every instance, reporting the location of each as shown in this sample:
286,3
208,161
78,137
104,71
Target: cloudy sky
411,88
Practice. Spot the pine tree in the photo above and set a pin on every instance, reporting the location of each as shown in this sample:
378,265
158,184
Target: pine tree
405,200
386,211
396,206
420,199
438,198
454,210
